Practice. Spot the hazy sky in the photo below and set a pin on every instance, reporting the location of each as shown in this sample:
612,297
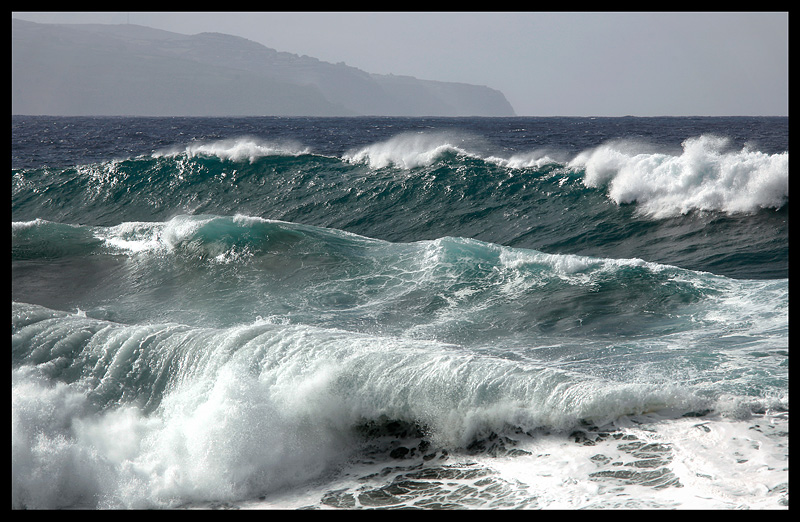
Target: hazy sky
546,64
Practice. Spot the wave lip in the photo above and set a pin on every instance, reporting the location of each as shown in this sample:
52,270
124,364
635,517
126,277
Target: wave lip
704,177
408,151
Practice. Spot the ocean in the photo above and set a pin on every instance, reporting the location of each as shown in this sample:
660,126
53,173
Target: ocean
426,313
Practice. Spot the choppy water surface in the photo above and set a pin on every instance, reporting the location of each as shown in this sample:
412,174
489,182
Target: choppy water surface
434,313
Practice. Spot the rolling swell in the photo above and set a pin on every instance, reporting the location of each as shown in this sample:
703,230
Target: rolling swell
319,275
617,200
117,364
145,412
141,415
218,272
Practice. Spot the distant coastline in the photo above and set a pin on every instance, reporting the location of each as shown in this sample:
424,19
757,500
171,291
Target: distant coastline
131,70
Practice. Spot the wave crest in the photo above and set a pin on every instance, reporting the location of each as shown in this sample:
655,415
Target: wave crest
408,150
705,176
240,149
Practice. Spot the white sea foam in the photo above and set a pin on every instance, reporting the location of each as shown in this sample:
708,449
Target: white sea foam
407,150
175,233
132,236
534,159
223,444
705,176
25,225
719,464
222,431
239,149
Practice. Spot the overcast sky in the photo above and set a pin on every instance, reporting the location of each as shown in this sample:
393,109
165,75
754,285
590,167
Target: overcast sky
546,64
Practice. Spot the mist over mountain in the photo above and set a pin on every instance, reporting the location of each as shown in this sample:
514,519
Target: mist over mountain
105,70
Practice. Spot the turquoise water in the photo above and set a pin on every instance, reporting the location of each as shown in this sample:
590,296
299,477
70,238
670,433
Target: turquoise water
269,312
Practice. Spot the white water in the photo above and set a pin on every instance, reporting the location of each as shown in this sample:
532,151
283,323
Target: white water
164,415
705,176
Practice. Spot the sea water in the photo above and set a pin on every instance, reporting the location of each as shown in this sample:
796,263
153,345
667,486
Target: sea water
345,313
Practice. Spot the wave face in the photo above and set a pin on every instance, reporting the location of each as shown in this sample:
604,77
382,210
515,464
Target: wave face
242,320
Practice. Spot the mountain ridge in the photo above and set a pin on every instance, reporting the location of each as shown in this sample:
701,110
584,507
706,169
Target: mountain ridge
132,70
